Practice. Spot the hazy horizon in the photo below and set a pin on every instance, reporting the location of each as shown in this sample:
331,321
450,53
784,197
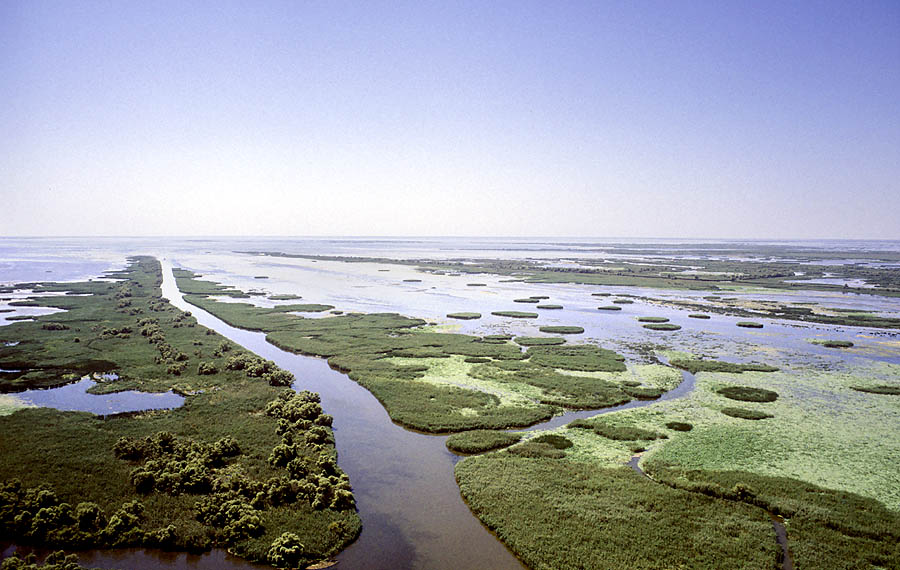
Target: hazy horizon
765,120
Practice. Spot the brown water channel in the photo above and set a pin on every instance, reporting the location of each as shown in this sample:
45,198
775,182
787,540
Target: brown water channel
412,512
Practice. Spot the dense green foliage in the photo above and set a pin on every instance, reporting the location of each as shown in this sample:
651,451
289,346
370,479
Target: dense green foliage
557,513
549,307
583,357
185,479
826,528
480,441
750,325
57,560
747,394
696,365
679,426
609,308
527,300
698,316
653,319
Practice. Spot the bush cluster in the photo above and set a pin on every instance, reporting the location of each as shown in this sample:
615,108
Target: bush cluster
257,367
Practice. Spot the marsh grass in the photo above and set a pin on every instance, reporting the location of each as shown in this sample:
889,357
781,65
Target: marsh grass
554,512
539,340
464,316
480,441
609,308
662,327
527,300
698,316
747,394
548,307
515,314
694,366
746,414
750,325
565,329
883,389
653,319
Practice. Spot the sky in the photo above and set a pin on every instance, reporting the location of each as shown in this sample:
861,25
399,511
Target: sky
699,119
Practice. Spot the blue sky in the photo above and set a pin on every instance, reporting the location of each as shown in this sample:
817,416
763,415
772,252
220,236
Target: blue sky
638,119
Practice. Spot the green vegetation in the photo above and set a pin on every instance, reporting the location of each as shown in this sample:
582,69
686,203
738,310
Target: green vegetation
662,327
679,426
464,316
555,512
617,432
498,337
480,441
241,462
476,284
746,414
653,319
696,365
583,357
826,528
412,280
747,394
284,297
561,330
527,300
832,343
548,307
601,294
883,389
609,308
750,325
515,314
539,340
698,316
57,560
623,301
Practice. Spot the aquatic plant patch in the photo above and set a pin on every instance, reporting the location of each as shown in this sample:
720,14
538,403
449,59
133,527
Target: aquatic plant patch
539,340
563,329
653,319
662,327
747,394
746,414
464,316
515,314
480,441
750,325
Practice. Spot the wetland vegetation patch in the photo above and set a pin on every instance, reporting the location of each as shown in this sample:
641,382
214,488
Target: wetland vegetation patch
515,314
609,308
653,319
561,329
747,394
662,327
481,441
464,316
746,414
695,365
749,324
539,340
548,307
698,316
882,389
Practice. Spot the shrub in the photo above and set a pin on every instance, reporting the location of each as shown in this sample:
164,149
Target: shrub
206,368
553,440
